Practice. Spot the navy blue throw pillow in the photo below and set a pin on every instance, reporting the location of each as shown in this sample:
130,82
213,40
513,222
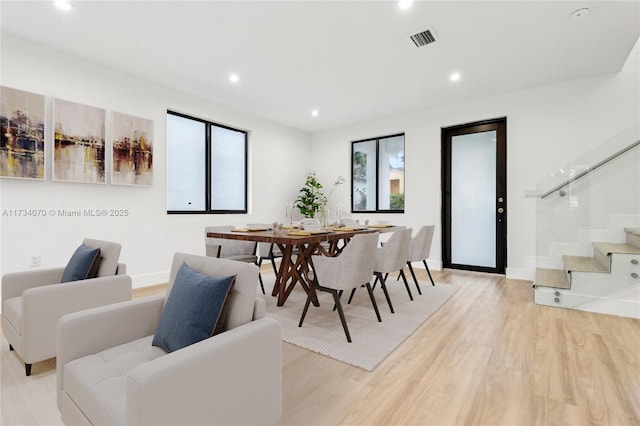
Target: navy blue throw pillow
192,309
83,264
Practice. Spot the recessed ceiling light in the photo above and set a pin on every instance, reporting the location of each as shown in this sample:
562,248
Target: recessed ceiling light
234,78
580,12
455,76
63,4
405,4
314,113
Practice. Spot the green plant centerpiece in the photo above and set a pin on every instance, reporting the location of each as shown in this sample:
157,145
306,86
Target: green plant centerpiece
311,196
312,202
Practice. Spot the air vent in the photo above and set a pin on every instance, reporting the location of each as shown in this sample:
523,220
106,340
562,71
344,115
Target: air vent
424,38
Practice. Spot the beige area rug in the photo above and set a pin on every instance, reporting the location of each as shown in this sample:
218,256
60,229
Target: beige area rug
372,341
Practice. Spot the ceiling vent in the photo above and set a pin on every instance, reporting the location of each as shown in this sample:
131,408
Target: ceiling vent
424,38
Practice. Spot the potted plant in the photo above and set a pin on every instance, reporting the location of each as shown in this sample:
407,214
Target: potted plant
312,200
311,196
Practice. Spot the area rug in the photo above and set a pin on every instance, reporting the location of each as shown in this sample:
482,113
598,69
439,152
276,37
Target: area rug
372,341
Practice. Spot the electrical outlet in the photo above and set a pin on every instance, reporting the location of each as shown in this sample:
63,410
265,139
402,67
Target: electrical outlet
35,260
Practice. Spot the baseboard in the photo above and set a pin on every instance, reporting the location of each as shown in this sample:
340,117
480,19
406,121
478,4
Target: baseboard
434,265
526,274
146,280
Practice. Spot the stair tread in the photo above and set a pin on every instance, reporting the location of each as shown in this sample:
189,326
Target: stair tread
582,264
621,248
634,231
555,278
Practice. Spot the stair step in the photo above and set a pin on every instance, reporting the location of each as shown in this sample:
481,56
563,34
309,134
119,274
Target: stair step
583,264
555,278
633,236
621,248
634,231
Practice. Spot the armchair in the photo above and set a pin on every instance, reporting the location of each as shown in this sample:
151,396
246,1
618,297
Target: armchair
33,301
108,372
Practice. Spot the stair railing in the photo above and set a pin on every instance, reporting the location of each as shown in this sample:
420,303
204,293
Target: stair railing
568,225
589,170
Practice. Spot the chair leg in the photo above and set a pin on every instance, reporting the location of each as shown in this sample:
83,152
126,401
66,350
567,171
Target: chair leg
428,271
373,287
386,293
415,280
353,291
258,263
27,369
339,296
406,285
10,347
336,299
273,263
373,302
304,311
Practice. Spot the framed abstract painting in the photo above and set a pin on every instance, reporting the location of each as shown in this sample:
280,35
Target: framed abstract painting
132,150
22,132
79,142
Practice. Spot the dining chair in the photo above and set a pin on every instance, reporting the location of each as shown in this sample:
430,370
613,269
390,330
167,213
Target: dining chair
391,257
351,269
242,251
419,252
271,252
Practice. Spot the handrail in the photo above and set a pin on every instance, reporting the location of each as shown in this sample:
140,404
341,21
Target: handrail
590,169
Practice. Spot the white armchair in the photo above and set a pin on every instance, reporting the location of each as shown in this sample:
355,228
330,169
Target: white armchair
108,372
33,301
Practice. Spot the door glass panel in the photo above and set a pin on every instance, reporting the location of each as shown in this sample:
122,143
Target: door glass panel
473,195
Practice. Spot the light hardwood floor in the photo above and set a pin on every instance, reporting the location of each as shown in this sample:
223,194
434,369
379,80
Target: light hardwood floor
489,356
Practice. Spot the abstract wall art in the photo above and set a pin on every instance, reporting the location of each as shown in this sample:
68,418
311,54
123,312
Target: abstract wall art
79,142
22,132
132,150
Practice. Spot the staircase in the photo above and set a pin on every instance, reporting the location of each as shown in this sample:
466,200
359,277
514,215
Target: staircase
608,282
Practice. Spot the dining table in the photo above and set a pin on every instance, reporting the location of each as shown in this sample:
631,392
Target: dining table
297,247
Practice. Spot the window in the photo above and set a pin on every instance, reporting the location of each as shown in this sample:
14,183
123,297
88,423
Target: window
377,180
206,166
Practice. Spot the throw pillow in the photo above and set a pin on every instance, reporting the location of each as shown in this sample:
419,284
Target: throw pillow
192,309
83,264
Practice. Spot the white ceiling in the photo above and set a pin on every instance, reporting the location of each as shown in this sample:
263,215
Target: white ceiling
351,60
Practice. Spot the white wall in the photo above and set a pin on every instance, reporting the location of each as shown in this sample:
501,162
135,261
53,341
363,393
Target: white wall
149,236
547,127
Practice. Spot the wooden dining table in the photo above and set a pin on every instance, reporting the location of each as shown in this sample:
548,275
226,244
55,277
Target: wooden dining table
297,248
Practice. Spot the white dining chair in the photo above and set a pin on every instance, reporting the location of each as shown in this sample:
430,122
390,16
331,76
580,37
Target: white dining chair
391,257
419,252
351,269
242,251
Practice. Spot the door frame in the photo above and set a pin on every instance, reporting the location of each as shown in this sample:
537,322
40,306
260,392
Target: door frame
500,126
